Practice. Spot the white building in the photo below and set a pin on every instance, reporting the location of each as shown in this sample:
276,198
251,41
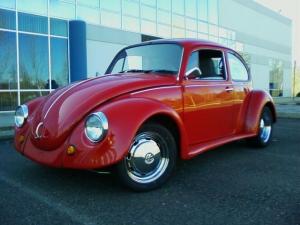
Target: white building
43,40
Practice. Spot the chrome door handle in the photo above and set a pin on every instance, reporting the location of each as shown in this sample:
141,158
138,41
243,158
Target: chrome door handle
228,89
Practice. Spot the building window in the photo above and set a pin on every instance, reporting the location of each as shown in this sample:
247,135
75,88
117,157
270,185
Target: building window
130,7
62,9
191,34
276,78
191,24
164,31
111,5
131,23
38,7
178,21
178,6
8,61
58,27
59,62
33,64
148,13
33,60
88,14
148,27
164,17
110,19
7,19
10,4
178,33
202,27
213,11
164,4
91,3
202,10
149,2
32,23
8,101
191,8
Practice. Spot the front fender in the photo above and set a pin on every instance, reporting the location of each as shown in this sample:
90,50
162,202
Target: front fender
24,131
125,117
257,101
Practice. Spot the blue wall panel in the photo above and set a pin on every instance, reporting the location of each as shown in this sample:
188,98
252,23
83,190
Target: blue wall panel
78,53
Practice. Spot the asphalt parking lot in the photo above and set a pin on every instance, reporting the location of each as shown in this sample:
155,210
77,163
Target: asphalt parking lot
234,184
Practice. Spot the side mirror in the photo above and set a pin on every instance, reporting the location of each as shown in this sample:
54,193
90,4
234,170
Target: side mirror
193,73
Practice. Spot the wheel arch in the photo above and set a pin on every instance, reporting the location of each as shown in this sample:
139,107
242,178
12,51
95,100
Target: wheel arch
139,111
168,122
257,101
271,106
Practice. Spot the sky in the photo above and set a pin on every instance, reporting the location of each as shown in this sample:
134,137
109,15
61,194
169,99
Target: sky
290,9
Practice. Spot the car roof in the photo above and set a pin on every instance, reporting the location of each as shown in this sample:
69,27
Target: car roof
185,42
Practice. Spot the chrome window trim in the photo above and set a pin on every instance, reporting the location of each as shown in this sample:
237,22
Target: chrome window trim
153,89
224,61
180,66
114,60
240,58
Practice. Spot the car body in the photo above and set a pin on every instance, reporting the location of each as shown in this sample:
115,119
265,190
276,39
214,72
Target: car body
177,97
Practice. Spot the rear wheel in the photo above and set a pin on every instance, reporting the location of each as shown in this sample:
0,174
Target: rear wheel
264,136
150,160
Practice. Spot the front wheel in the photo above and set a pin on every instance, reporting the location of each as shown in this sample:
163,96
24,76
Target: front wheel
264,136
150,160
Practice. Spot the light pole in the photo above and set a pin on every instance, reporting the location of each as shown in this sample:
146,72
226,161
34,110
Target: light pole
294,83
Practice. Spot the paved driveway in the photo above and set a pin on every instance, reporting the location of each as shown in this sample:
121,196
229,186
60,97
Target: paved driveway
234,184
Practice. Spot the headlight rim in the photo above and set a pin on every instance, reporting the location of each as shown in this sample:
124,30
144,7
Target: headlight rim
104,123
25,113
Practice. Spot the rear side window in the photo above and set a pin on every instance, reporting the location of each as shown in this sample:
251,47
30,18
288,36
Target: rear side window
237,68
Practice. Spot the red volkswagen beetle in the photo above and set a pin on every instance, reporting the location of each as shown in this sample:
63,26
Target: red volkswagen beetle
158,101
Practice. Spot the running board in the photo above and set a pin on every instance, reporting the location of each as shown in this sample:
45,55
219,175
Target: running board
203,147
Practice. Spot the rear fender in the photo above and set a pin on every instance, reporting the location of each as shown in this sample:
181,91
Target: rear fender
257,101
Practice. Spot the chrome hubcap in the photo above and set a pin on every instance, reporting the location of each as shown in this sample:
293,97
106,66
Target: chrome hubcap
147,159
265,131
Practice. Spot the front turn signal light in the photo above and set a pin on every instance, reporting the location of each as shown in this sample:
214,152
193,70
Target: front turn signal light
21,139
71,150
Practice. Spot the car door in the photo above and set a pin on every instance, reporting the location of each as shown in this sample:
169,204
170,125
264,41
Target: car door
207,96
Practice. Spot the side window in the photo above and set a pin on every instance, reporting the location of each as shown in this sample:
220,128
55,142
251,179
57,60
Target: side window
237,68
210,64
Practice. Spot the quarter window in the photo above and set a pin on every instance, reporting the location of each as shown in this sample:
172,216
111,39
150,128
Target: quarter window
237,68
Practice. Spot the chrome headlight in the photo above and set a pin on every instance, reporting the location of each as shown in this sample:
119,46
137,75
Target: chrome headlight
21,115
96,127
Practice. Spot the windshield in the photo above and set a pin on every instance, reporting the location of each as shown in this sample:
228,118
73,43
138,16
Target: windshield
158,58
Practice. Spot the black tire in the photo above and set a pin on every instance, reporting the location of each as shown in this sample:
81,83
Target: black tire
264,136
145,169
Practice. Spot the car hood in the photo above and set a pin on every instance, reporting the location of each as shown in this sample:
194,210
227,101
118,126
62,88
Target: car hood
64,108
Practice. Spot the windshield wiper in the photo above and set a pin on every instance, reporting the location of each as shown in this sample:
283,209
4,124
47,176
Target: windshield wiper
163,71
149,71
134,71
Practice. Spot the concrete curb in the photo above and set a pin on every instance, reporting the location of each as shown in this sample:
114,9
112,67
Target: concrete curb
288,115
7,134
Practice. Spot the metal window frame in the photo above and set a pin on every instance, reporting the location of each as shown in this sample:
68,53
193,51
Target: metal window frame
48,35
